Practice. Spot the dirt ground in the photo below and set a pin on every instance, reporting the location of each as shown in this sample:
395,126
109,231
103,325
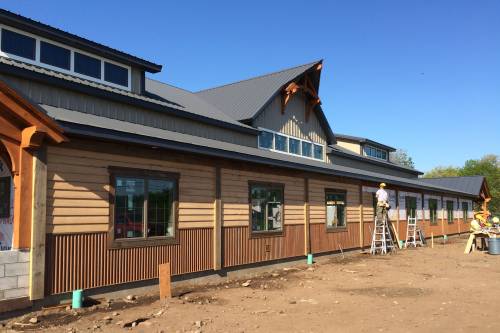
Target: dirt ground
415,290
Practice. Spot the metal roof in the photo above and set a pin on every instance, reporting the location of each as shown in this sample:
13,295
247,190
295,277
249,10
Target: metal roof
244,100
79,123
364,140
49,32
467,184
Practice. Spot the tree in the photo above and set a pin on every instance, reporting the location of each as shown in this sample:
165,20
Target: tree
488,166
401,157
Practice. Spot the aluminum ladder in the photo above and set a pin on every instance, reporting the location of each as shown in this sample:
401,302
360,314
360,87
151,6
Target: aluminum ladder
381,239
413,237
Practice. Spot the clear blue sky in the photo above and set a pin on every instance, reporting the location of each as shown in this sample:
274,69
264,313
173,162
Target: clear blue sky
419,75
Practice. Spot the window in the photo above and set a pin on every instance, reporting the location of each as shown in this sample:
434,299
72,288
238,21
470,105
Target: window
318,152
306,149
281,143
144,204
449,209
54,55
266,140
266,202
335,209
433,204
115,74
411,207
294,146
87,65
465,211
19,45
4,197
375,152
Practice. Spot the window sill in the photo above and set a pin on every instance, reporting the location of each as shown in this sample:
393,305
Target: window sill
142,242
263,234
336,229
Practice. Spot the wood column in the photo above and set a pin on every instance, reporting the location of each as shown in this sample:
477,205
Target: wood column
442,216
217,235
307,229
23,201
38,224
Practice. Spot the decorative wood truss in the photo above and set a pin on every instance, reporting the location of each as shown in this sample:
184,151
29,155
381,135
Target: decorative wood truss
305,85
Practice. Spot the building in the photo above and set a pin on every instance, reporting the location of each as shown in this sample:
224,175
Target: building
105,173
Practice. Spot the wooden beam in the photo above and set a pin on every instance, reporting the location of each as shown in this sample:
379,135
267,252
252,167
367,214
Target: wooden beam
38,223
217,239
307,224
165,280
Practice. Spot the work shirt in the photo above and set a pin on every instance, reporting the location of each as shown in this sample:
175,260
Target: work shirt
382,195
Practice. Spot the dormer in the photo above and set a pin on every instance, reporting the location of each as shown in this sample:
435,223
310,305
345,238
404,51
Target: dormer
27,41
364,147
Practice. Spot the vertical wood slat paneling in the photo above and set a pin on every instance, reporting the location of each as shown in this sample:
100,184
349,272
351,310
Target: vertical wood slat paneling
323,241
82,261
240,249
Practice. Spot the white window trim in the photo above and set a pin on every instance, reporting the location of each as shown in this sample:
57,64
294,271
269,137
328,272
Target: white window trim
288,147
72,50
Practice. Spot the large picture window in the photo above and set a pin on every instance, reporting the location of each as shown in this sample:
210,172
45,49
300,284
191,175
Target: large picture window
144,204
266,202
433,204
335,209
287,144
449,210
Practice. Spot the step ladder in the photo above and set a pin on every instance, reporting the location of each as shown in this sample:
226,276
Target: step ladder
382,241
413,233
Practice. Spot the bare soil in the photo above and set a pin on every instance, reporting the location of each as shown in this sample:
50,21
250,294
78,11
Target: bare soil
414,290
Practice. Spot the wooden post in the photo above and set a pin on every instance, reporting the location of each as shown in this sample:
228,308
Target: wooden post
307,230
38,223
361,222
217,239
442,217
164,277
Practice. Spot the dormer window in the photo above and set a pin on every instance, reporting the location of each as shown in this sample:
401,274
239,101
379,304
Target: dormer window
286,144
23,46
375,152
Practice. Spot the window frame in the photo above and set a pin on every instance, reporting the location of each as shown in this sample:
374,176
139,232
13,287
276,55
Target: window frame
368,149
144,241
37,62
273,149
435,222
341,228
407,206
273,233
450,220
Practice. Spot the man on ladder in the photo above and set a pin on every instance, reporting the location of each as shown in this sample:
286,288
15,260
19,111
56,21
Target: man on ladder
382,238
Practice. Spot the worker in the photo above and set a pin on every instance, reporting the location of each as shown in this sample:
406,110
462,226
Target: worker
382,201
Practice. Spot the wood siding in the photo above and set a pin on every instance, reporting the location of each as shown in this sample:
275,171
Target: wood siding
241,249
83,261
293,121
78,189
323,241
355,147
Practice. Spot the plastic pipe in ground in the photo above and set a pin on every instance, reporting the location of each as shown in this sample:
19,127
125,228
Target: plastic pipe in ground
310,259
77,299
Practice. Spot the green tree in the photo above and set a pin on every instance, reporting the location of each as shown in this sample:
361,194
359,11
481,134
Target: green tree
401,157
488,166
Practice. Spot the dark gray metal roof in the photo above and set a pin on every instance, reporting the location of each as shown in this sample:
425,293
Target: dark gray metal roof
363,140
47,31
244,99
351,154
467,184
86,124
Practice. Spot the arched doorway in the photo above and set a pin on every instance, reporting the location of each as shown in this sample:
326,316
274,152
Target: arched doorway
6,202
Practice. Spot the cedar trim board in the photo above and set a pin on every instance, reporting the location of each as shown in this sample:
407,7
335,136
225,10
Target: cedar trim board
318,167
121,97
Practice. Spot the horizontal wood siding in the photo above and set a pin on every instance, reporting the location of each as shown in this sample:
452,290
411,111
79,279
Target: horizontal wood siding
323,241
78,189
241,249
83,261
235,205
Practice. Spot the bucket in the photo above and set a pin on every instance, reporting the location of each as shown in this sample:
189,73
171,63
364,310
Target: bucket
310,259
77,299
494,245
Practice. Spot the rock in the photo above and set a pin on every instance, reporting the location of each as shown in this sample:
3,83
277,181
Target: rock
275,275
115,313
131,297
107,318
246,284
134,324
33,320
198,323
292,302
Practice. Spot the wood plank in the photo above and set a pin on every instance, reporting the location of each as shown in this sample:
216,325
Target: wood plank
164,280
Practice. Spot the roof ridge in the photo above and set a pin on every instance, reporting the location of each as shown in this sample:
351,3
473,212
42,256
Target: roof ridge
454,177
259,76
171,85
